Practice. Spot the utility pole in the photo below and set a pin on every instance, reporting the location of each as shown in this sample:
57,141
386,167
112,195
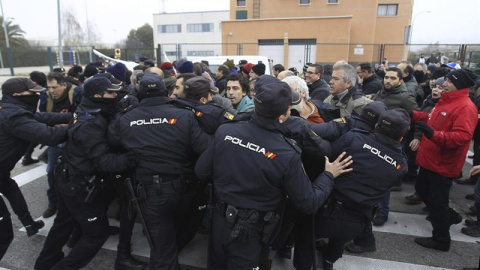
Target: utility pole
60,47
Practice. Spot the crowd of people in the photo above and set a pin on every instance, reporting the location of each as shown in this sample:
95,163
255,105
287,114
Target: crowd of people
262,163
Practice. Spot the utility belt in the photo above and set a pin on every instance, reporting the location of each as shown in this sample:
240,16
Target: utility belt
334,209
161,182
87,187
243,221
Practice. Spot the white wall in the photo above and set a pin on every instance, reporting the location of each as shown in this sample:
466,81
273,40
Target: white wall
214,37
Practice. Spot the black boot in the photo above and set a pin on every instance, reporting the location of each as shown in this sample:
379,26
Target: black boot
125,261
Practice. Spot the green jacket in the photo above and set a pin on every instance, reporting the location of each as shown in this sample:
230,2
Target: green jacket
351,102
398,97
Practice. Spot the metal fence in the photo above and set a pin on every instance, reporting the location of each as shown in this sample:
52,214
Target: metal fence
294,54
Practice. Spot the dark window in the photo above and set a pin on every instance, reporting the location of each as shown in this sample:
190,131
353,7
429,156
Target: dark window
169,28
304,2
200,27
387,10
241,3
333,1
200,53
241,15
270,42
302,42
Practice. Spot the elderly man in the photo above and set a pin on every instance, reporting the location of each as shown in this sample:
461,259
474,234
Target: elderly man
306,109
343,94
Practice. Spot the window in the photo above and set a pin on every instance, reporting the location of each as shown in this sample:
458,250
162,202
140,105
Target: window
169,28
241,14
241,3
200,53
270,42
304,2
200,27
387,10
171,53
332,2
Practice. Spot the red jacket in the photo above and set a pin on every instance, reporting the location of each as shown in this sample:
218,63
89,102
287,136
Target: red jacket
453,119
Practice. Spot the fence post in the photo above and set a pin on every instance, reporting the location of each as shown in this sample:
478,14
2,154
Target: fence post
50,58
159,54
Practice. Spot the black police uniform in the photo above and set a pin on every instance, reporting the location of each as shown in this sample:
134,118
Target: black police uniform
166,140
19,126
86,154
210,115
378,163
250,186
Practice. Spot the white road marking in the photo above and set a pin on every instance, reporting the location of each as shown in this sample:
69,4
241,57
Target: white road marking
30,175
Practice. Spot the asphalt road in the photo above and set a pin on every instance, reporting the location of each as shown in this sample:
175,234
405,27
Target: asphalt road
395,246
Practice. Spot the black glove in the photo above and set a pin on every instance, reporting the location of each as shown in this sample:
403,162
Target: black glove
410,113
425,129
131,159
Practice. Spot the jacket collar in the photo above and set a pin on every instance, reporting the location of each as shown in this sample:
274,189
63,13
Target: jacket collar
398,89
269,124
152,101
454,94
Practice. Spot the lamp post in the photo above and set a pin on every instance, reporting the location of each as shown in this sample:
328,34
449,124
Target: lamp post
413,23
60,47
7,42
228,35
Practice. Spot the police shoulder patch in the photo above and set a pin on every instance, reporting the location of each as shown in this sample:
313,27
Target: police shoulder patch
228,116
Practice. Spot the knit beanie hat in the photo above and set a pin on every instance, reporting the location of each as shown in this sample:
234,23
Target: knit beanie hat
439,73
166,66
119,71
229,63
184,66
259,69
462,79
246,68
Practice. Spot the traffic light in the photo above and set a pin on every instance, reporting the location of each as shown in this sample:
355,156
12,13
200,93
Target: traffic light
118,54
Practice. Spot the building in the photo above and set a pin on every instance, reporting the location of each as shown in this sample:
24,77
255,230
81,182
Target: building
190,33
294,32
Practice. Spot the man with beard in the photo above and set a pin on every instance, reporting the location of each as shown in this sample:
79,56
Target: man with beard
87,158
20,126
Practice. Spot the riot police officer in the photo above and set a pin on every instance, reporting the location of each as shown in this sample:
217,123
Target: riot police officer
87,157
252,165
166,140
19,126
379,163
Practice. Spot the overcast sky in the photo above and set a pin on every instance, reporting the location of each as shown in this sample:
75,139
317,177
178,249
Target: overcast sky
449,21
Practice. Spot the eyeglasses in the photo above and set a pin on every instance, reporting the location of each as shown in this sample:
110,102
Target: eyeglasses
310,72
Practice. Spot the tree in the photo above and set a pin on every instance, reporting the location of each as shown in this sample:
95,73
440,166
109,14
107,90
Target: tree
15,34
140,38
73,33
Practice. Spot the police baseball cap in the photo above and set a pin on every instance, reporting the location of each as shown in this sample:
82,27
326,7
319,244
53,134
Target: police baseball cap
197,87
98,85
151,85
394,123
18,85
110,77
372,111
273,96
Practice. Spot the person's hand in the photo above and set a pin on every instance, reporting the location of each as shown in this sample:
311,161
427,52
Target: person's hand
474,170
425,129
414,144
359,80
339,166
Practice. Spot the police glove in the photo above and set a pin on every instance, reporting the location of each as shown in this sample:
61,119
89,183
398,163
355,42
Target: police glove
425,129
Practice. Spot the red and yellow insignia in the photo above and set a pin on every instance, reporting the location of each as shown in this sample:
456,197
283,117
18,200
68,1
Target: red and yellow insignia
399,167
199,114
229,116
270,155
172,121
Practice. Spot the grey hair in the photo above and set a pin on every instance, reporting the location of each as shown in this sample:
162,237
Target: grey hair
349,73
289,73
299,84
424,67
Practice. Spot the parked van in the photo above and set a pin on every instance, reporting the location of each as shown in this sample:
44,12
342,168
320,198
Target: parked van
215,61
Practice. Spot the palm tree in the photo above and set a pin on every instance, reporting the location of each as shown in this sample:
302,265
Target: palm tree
15,34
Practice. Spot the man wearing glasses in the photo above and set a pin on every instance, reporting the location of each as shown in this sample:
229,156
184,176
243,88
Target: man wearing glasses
317,87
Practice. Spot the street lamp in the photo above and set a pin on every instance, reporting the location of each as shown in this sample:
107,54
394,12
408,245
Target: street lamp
7,42
228,35
413,22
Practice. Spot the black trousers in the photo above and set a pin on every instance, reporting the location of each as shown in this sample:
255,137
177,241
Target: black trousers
165,210
434,190
93,221
339,229
11,191
228,254
6,237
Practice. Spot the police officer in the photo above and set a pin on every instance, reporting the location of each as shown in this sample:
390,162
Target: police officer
166,140
252,166
87,156
379,163
20,126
